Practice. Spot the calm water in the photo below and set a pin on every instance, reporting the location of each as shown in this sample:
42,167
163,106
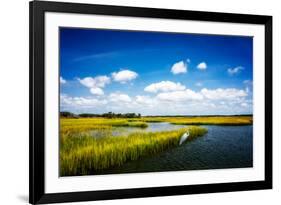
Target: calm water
124,131
152,127
221,147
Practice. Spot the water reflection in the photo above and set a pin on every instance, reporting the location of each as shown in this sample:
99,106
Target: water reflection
125,131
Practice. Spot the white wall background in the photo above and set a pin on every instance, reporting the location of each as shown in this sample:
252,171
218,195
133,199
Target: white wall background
14,100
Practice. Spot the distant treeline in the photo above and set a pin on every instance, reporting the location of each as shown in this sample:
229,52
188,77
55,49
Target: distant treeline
135,115
106,115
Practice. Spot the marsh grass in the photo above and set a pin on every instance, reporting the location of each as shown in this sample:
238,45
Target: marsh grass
84,124
85,155
200,120
82,154
216,120
149,119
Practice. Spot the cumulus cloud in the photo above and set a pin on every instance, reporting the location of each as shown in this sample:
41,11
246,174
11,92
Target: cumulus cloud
164,86
202,66
119,97
124,76
179,67
62,80
95,84
244,104
99,81
204,94
74,102
177,96
181,102
96,91
162,98
145,101
221,94
205,101
236,70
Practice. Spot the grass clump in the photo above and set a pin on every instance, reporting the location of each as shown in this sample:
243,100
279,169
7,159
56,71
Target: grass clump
85,155
85,124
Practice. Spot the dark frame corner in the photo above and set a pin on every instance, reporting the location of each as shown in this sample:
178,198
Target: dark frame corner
37,10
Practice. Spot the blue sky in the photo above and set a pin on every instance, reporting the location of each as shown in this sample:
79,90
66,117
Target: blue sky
154,73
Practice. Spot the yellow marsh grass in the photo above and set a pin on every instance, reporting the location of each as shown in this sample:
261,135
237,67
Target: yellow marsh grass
72,125
224,120
204,120
82,154
89,123
85,155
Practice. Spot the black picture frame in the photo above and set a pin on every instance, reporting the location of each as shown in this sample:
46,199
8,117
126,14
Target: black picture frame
37,10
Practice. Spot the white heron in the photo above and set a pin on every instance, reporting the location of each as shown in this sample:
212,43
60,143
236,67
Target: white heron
184,137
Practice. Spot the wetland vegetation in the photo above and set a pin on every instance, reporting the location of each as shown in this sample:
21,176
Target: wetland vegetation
94,144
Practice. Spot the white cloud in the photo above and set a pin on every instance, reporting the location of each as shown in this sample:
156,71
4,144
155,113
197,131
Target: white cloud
221,94
244,104
124,76
204,94
184,95
179,102
236,70
99,81
119,97
95,84
202,66
164,86
215,101
96,91
144,100
165,98
62,80
179,67
76,102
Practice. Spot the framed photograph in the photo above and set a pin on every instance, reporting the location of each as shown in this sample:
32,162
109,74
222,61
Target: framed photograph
140,102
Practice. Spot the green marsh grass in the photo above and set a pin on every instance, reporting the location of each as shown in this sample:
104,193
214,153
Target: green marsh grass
82,154
85,155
